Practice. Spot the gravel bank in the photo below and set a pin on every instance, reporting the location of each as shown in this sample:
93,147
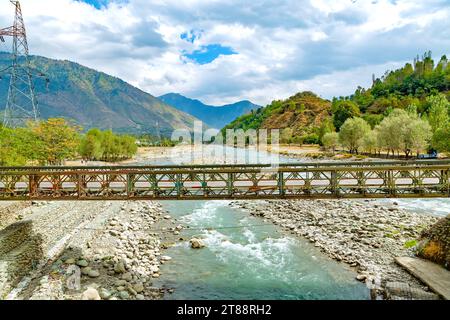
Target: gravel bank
363,234
91,250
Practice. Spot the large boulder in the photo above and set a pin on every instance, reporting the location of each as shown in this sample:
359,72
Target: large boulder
434,243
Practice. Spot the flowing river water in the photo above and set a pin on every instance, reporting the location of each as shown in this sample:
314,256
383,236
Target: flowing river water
247,258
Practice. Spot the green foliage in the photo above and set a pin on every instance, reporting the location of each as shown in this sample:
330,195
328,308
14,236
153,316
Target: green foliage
343,110
330,140
15,146
53,141
107,146
56,139
410,244
438,113
311,138
404,131
352,132
373,119
441,139
370,141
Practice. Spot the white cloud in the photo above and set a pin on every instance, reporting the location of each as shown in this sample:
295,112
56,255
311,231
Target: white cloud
325,46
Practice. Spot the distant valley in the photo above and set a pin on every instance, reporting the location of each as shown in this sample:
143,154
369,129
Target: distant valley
213,116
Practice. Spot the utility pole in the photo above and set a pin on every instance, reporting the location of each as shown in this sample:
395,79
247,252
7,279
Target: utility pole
21,104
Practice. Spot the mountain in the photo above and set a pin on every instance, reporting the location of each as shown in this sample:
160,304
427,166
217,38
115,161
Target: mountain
95,99
302,113
214,116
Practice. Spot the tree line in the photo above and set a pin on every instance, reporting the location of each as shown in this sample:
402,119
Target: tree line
55,140
401,131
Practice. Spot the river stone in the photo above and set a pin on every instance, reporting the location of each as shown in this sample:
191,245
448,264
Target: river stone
93,273
361,277
138,287
140,297
105,294
85,271
197,243
82,263
124,295
119,267
127,276
90,294
69,261
120,283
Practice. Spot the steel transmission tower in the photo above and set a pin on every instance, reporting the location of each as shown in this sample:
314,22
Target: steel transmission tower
21,104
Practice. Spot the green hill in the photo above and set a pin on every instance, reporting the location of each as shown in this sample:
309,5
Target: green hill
95,99
306,117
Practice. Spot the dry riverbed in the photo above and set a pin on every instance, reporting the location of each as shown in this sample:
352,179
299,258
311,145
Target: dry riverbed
96,250
363,234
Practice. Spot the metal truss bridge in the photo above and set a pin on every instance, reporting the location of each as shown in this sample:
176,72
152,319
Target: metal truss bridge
326,180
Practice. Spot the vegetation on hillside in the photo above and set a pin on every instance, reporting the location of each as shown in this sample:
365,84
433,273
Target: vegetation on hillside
94,99
53,141
406,110
302,116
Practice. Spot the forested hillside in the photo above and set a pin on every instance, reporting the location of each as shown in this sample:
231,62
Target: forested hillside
420,91
95,99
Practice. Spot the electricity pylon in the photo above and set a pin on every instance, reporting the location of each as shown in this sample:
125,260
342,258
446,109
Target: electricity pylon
21,104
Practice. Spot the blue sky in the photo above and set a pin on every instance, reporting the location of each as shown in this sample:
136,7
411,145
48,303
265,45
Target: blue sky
223,51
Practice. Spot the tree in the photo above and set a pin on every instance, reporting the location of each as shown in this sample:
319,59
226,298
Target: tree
343,110
370,141
441,139
438,113
416,136
352,132
91,147
57,140
326,127
405,131
286,135
330,140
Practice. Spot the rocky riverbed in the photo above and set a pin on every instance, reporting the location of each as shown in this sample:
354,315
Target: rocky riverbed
363,234
97,250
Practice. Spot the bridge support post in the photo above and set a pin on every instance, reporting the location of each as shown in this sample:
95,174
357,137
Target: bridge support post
390,182
230,184
130,185
281,183
334,183
33,185
178,185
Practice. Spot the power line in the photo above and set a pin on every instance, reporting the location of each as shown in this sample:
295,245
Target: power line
207,228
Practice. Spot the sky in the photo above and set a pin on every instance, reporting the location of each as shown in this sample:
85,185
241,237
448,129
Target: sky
222,51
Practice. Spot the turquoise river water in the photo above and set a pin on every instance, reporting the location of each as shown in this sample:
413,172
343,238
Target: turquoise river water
247,258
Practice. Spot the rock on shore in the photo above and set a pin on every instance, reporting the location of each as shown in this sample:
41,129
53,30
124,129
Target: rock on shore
363,234
102,250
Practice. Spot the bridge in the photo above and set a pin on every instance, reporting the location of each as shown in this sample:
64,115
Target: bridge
318,180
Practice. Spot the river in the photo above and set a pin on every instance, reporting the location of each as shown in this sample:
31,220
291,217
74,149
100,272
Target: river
248,258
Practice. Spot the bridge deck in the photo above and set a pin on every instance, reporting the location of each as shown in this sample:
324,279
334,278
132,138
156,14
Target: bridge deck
381,179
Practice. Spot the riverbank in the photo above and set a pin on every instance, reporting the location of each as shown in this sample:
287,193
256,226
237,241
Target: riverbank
363,234
91,250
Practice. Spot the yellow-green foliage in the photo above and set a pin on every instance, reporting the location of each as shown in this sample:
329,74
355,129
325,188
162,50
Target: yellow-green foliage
433,251
53,141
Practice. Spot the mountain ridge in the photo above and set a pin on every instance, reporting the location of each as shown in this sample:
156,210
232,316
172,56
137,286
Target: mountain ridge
214,116
93,98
